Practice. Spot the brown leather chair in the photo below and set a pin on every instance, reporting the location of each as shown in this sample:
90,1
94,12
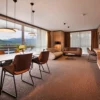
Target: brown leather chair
91,54
42,59
20,65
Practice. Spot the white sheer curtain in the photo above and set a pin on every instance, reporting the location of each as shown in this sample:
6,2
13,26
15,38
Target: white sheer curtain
38,41
81,39
41,40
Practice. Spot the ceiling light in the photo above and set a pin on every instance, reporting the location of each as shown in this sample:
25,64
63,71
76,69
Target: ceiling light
68,26
6,29
32,20
15,1
64,23
84,14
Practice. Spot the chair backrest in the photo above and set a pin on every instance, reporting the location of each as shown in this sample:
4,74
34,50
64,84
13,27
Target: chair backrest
43,57
2,52
90,52
22,62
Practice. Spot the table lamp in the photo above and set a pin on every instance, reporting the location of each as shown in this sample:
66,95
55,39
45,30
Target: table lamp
22,47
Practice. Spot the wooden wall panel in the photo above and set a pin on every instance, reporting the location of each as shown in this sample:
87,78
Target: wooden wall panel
67,39
57,36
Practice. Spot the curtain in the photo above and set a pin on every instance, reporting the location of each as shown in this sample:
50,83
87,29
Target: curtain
41,40
67,39
49,39
94,39
82,40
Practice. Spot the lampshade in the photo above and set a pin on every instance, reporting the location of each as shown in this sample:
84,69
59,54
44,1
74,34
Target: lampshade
7,30
57,42
22,47
31,33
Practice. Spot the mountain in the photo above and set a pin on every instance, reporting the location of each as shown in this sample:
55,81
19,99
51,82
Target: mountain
17,41
5,42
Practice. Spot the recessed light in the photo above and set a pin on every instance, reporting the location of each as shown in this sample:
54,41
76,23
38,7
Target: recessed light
64,23
84,14
68,26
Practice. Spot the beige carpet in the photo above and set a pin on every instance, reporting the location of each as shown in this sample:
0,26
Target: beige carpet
70,79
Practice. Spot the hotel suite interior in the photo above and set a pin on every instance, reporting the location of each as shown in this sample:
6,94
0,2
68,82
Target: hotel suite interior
50,49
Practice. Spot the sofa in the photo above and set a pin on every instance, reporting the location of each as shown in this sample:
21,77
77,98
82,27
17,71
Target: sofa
73,51
54,53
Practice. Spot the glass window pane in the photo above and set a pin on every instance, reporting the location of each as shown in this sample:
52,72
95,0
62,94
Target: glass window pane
9,41
37,41
81,39
30,38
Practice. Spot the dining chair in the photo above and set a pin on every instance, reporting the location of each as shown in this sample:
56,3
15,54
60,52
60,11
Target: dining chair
40,60
20,65
91,54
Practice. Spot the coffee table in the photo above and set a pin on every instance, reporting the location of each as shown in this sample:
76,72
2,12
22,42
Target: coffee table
69,56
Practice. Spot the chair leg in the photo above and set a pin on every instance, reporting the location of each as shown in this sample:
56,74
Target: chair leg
27,82
15,96
15,85
36,76
31,77
31,66
90,60
3,78
1,81
47,67
42,67
88,57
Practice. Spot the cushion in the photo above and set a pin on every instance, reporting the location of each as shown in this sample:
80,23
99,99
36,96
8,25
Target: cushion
53,50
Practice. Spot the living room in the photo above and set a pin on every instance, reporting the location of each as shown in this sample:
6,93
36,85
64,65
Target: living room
49,49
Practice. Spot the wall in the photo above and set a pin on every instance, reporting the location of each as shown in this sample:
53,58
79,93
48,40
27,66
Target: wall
57,36
67,39
99,36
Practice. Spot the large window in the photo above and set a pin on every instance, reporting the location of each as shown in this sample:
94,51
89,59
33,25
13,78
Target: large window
38,40
10,40
30,39
41,42
81,39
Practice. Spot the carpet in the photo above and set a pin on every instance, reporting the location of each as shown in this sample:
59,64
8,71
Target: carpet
70,79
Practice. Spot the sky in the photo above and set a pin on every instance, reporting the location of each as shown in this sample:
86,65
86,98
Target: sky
17,34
